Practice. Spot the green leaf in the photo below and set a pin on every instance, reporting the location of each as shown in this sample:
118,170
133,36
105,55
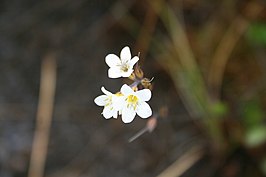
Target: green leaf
219,109
256,136
257,33
253,114
263,166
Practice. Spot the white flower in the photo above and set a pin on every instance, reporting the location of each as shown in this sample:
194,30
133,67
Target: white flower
123,66
111,103
134,103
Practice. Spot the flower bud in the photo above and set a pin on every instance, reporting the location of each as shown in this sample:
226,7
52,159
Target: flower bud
146,83
132,77
138,72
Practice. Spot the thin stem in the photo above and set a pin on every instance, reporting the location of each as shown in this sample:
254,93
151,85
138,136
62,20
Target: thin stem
44,117
138,134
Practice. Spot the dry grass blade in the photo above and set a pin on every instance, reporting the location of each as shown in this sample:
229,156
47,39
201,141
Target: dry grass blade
183,66
182,164
226,46
44,117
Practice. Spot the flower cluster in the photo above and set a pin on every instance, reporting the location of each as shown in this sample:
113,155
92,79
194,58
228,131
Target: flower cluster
129,101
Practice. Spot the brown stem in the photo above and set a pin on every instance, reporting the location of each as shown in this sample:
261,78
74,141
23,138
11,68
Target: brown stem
44,117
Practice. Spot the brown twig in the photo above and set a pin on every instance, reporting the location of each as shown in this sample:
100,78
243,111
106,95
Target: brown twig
43,117
183,163
150,126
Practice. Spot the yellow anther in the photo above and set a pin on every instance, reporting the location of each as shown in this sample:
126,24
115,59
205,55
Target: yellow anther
124,67
132,100
119,94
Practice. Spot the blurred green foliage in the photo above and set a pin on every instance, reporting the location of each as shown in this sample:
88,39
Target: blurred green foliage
253,116
219,109
255,136
263,165
257,33
198,73
252,113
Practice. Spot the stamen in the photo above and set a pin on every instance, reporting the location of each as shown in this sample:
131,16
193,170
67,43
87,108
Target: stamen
132,101
108,101
124,67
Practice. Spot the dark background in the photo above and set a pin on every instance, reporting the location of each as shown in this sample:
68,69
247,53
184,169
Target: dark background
81,33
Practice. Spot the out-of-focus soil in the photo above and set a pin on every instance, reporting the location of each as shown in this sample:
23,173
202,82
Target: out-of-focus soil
82,142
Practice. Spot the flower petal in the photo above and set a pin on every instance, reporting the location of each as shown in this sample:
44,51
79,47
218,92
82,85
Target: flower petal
144,95
115,114
101,100
126,90
125,54
128,115
112,60
144,110
108,112
118,102
114,72
133,61
106,92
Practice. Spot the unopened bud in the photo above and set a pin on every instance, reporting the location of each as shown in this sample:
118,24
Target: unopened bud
135,88
146,83
151,124
138,72
132,77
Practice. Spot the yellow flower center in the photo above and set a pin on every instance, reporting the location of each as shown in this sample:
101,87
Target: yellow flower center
132,101
119,94
124,67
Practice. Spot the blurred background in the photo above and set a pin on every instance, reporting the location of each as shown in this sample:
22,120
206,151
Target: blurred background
208,60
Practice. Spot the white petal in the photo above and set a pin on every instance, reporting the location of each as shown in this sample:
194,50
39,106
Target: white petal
128,115
144,110
112,60
144,95
107,112
133,61
106,92
119,102
127,74
114,72
125,54
101,100
126,90
115,114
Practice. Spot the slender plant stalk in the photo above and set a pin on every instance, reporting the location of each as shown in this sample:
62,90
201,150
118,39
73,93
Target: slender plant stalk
44,117
182,164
